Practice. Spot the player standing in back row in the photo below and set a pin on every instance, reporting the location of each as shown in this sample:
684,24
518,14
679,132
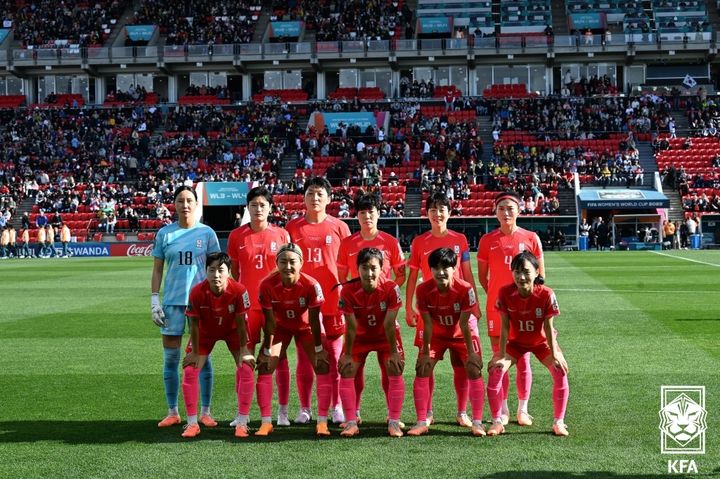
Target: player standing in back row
367,209
319,236
495,253
252,248
438,212
181,247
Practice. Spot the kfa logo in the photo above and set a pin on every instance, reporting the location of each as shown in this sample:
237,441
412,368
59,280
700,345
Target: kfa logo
683,420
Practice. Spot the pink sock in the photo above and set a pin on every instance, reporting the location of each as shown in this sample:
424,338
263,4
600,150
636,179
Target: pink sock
561,392
347,396
264,387
334,347
190,389
506,377
304,376
384,381
494,392
431,391
460,380
523,380
477,397
323,390
359,386
245,383
282,381
395,397
421,395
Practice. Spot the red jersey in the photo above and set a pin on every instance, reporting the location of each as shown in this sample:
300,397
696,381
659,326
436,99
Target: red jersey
389,245
445,308
254,255
497,250
527,315
426,243
217,314
370,309
290,305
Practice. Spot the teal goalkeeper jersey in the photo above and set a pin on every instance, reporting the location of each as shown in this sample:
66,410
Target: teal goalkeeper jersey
184,251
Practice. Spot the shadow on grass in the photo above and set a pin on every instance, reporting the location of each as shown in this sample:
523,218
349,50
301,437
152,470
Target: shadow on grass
146,431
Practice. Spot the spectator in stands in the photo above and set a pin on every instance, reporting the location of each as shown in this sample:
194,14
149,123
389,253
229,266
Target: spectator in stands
41,219
588,37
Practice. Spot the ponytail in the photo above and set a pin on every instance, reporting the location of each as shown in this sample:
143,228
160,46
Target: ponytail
354,280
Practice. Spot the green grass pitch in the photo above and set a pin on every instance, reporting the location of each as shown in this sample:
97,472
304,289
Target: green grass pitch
81,385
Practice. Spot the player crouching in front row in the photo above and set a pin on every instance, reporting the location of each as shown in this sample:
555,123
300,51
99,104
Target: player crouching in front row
216,309
370,304
527,309
445,303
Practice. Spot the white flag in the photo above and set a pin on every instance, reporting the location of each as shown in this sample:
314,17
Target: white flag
689,81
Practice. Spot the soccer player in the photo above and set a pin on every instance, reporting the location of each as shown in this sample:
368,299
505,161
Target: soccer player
291,301
252,248
438,211
495,253
446,303
371,304
216,309
319,236
182,247
527,309
367,208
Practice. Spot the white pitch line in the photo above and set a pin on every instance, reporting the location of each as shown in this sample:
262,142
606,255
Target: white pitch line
584,290
687,259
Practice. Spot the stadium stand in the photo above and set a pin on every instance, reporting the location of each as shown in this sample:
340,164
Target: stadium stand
200,23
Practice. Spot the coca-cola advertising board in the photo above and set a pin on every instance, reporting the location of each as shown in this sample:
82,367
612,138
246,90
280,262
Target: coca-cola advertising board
138,248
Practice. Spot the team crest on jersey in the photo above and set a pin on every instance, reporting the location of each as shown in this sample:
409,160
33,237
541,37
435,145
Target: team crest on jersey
538,313
302,302
273,246
457,249
456,307
231,308
521,247
328,239
383,305
199,244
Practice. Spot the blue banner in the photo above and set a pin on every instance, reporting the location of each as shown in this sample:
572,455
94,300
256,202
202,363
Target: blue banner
138,33
225,193
285,29
333,120
582,21
84,249
435,25
623,199
3,34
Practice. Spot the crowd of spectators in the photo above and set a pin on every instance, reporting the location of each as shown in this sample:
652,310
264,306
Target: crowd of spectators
200,23
71,22
350,20
134,94
204,90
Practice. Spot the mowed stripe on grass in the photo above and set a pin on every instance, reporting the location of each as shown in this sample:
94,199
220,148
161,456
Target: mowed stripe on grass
83,382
